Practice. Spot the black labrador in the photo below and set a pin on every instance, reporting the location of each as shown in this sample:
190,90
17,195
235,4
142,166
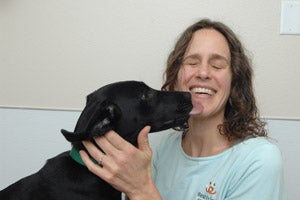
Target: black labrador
125,107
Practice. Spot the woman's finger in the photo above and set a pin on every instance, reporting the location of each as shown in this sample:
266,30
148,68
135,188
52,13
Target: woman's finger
103,159
104,172
111,138
92,166
92,149
143,140
105,145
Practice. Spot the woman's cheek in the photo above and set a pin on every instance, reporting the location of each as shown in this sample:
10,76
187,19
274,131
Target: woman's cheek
182,79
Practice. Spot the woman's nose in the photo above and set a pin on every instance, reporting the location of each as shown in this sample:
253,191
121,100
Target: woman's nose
203,71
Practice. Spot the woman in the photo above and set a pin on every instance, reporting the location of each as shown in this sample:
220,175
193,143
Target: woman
222,153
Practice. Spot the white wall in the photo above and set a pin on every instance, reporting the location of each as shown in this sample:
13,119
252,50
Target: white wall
29,137
53,53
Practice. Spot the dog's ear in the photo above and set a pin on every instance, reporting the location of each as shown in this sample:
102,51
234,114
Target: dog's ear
110,115
95,120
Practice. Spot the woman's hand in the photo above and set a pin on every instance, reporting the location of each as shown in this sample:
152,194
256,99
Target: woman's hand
124,166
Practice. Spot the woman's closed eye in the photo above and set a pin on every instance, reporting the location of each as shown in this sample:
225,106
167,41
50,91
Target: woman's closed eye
191,62
218,64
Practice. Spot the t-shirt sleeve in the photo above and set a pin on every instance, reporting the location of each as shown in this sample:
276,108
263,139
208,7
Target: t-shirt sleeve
259,176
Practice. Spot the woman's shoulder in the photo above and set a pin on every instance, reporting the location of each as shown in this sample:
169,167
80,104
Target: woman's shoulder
259,151
170,138
258,144
257,164
168,144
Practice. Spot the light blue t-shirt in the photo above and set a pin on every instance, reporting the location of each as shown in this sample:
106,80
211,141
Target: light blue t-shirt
249,170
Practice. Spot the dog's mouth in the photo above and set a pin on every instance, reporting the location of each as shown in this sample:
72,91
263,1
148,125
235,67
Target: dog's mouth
184,107
177,122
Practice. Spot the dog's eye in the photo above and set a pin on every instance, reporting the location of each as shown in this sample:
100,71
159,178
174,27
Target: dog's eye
147,96
143,97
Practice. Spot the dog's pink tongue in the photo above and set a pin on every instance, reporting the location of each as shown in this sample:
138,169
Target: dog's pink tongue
195,111
197,108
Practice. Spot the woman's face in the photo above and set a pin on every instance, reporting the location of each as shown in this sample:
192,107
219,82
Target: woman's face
206,73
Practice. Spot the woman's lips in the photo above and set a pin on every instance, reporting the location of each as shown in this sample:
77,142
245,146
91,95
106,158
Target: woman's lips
200,93
202,90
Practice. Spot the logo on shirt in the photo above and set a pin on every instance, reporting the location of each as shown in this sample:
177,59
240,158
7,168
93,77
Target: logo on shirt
211,188
209,192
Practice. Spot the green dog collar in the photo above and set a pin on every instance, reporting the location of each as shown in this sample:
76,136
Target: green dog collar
76,156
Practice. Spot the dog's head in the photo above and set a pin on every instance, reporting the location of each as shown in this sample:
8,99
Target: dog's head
126,107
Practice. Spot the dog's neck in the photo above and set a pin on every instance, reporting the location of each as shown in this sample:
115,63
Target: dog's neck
74,153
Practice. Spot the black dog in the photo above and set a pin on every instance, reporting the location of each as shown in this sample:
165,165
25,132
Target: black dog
125,107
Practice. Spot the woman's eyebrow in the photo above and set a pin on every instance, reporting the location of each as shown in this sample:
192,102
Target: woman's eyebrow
214,56
192,56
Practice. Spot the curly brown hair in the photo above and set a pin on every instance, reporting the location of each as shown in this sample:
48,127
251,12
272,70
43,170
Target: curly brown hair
241,113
